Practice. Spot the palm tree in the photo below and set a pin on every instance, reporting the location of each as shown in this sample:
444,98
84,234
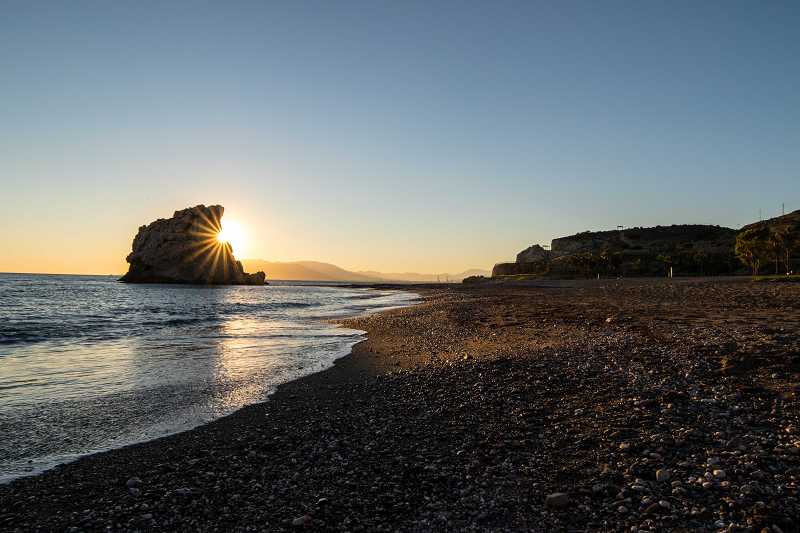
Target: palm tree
752,248
775,246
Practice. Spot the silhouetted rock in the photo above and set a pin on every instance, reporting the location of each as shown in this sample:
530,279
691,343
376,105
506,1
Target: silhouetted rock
185,249
532,254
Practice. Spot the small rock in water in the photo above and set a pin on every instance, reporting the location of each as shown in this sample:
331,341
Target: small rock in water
133,482
557,500
662,475
133,491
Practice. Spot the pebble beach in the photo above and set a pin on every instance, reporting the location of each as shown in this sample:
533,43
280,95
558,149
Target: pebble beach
604,405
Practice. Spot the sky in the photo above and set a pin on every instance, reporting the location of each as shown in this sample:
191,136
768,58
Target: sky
392,136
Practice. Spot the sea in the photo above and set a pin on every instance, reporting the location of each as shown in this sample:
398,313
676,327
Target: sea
88,363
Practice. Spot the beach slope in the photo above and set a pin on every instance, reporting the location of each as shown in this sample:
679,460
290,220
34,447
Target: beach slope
604,405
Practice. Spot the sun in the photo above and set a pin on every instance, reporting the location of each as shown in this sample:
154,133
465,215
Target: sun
233,233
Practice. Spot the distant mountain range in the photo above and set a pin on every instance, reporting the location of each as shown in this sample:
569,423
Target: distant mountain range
316,271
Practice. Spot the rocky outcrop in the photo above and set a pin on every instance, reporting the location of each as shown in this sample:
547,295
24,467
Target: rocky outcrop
532,254
185,249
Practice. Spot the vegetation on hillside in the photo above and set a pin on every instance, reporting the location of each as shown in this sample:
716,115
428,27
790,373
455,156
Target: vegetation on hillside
767,247
770,245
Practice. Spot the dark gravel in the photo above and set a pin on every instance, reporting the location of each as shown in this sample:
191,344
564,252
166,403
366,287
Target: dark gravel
604,406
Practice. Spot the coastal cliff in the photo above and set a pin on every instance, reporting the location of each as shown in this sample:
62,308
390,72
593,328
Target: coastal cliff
185,249
689,249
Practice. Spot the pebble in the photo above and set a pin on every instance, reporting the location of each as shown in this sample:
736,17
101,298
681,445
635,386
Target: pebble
557,500
652,508
302,520
662,475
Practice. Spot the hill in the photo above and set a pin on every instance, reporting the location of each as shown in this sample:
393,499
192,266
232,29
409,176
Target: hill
688,249
771,245
318,271
425,278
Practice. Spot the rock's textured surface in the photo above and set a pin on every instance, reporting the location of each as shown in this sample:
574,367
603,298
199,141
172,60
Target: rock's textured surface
532,254
185,249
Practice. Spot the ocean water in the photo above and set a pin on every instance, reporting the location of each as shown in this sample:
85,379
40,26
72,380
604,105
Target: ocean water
88,363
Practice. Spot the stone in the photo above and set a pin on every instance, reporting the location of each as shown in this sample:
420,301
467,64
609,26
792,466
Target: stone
533,254
662,475
719,474
133,482
652,508
185,249
302,520
557,500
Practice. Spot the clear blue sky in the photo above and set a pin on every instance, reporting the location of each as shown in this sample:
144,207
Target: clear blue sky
427,136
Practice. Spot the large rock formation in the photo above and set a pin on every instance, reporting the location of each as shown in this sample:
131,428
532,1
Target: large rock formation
687,249
185,249
532,254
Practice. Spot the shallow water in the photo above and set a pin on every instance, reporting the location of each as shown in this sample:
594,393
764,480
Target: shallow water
88,364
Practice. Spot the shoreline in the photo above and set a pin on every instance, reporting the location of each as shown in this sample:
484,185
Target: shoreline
53,462
469,410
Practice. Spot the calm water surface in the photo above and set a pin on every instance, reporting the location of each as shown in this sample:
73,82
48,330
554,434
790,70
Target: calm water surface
88,364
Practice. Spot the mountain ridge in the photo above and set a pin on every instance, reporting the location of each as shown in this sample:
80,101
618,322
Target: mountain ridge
320,271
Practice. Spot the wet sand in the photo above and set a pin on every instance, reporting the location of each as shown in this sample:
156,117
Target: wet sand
472,409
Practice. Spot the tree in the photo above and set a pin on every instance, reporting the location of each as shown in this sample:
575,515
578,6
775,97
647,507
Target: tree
788,242
699,259
666,260
752,248
775,245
